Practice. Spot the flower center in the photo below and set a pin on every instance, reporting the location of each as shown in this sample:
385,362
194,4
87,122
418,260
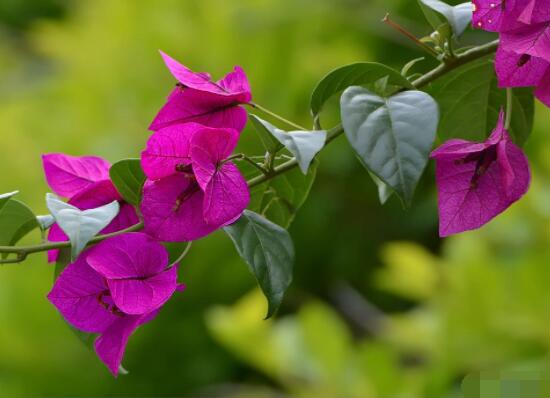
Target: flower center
105,300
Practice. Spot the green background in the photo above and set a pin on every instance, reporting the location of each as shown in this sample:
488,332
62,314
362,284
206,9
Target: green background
380,307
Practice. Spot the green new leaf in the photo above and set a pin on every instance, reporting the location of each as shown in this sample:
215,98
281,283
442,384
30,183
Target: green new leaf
384,191
470,102
128,178
361,73
392,136
269,252
304,145
459,17
80,225
16,219
271,144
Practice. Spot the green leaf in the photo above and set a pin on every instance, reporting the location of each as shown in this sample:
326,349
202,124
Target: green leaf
304,145
470,102
392,136
361,73
128,178
271,144
80,225
5,197
269,252
17,220
459,17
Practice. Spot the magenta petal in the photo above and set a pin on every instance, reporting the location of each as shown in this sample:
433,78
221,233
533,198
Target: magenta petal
543,89
167,149
141,296
226,195
188,105
530,39
519,70
535,11
77,294
237,82
172,210
111,344
457,148
462,206
496,15
475,187
208,148
68,175
130,255
198,81
55,234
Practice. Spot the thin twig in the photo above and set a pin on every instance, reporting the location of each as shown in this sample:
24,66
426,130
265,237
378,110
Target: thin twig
278,117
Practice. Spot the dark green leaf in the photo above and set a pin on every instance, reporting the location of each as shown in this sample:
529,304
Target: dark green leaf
17,220
392,136
470,102
280,198
269,252
128,178
361,73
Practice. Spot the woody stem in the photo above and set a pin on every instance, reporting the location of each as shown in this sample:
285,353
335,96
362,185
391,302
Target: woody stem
468,56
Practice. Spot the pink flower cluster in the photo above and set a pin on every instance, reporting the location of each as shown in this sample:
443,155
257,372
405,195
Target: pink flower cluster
192,189
523,57
113,288
478,181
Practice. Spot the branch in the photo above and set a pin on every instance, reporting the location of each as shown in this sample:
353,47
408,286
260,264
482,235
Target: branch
23,251
470,55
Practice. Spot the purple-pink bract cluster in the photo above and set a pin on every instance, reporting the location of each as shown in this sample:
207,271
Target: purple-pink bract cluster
192,189
478,181
523,56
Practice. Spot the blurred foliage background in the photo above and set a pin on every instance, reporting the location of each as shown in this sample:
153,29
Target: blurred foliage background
380,307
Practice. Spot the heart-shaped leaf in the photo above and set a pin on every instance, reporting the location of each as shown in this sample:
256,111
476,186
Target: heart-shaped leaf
269,252
16,219
80,225
128,178
392,136
5,197
45,221
361,73
271,144
459,17
304,145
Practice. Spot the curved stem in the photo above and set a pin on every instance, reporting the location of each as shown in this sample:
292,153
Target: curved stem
470,55
278,117
23,251
183,254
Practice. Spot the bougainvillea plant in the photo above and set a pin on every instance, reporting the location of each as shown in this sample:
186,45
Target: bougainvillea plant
108,236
